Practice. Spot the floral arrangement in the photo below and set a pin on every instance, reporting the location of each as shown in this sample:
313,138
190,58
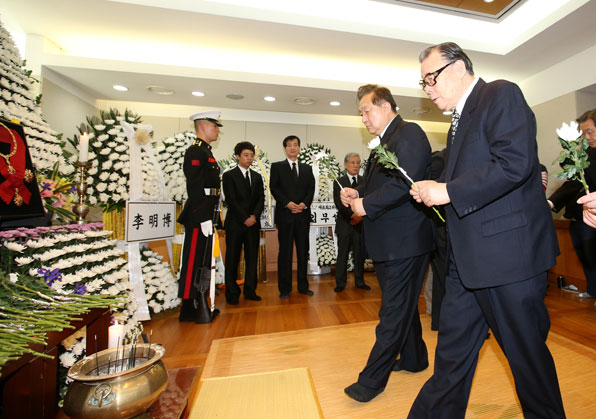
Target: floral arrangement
72,259
388,160
573,158
71,350
170,155
326,252
57,193
18,102
325,167
108,177
30,308
161,288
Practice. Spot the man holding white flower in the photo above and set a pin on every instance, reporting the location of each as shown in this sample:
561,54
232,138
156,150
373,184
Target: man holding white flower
583,236
501,240
398,236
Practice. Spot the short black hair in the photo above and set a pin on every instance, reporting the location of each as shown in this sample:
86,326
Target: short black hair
451,52
243,145
290,138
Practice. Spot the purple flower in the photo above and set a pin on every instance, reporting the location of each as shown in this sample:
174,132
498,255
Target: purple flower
50,276
80,289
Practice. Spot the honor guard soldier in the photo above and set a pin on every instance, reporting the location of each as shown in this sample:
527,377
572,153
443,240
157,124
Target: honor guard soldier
198,216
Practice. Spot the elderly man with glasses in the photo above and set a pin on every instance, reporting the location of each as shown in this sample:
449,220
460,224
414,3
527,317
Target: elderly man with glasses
501,240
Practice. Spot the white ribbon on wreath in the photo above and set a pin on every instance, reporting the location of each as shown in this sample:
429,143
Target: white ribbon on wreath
136,194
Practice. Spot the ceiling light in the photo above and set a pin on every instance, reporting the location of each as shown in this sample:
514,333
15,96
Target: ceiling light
420,111
334,103
237,96
269,98
447,112
488,1
158,90
197,93
301,100
120,88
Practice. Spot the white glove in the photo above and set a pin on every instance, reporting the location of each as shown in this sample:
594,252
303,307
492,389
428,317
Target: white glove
207,228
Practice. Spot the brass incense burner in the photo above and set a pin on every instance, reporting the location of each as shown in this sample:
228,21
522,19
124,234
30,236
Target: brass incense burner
119,382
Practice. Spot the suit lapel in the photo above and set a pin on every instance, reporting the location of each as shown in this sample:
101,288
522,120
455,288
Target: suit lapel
465,121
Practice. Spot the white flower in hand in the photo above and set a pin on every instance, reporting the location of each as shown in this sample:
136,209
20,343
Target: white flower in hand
374,143
569,132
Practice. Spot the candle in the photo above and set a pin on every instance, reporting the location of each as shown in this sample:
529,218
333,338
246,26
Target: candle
84,147
115,335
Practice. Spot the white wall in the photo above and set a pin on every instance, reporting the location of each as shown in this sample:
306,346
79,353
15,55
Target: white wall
63,110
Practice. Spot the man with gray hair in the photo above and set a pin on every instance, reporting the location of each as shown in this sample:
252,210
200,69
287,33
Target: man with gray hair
348,228
501,240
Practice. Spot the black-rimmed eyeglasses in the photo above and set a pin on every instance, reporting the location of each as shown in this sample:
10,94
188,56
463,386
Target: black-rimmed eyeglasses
430,79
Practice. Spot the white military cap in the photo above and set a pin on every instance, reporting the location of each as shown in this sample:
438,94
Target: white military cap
211,116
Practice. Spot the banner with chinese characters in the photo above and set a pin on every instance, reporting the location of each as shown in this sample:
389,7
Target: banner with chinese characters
323,214
150,220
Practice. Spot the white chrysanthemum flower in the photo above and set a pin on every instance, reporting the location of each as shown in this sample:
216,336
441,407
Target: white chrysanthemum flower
13,277
569,132
67,359
15,247
374,143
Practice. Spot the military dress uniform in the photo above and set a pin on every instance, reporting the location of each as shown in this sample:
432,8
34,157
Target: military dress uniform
203,188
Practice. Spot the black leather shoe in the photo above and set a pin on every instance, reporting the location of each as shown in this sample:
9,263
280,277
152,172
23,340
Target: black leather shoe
284,296
232,301
363,287
338,289
307,292
214,313
253,297
362,393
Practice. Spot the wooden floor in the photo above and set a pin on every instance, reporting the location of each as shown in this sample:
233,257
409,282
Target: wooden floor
187,344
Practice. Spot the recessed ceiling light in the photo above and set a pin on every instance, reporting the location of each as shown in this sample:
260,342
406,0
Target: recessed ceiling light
197,93
236,96
120,88
447,112
488,1
335,103
269,98
303,100
158,90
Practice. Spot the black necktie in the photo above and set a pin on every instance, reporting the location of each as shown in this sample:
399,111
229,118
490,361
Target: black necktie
247,178
354,182
454,122
294,171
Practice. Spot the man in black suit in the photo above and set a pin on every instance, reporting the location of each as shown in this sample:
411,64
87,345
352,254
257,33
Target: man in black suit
398,238
582,235
293,187
243,189
202,185
501,240
348,228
